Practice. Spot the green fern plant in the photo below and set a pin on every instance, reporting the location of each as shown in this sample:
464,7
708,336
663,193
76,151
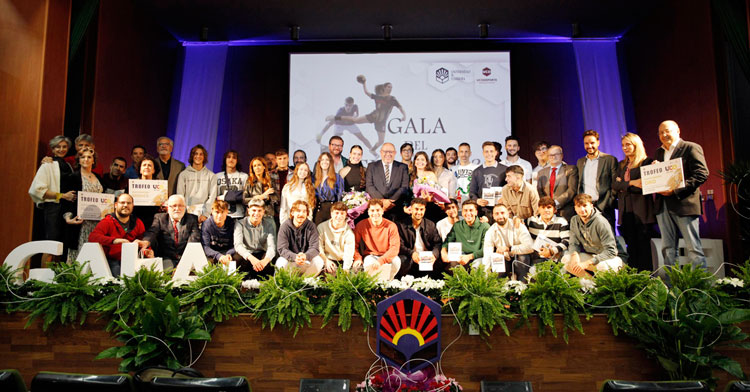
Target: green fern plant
283,300
550,292
159,337
8,283
621,294
69,297
215,293
128,301
480,297
349,291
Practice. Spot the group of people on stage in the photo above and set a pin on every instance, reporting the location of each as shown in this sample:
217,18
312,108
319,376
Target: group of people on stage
503,214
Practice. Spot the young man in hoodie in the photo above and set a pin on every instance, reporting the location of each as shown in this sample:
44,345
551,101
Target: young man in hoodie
217,235
196,183
491,174
592,245
336,240
298,243
117,229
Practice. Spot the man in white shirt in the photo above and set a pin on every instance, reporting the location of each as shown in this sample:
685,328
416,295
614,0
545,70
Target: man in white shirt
336,240
463,170
511,150
596,173
510,241
445,225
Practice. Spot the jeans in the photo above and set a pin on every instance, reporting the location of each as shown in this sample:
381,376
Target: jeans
668,223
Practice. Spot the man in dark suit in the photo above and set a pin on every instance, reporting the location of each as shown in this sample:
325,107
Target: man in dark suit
681,208
559,181
411,249
169,168
172,230
595,174
388,180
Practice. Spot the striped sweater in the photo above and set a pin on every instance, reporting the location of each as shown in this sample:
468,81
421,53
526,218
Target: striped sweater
557,230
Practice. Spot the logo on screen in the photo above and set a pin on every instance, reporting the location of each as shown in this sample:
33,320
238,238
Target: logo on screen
442,75
486,71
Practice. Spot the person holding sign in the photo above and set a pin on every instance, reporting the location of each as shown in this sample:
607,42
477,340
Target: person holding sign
592,243
465,241
506,241
485,178
147,168
636,211
298,242
117,229
681,208
420,243
549,232
83,179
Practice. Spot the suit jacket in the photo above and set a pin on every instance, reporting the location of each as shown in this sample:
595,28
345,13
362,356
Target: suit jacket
686,201
605,174
161,232
175,168
566,188
630,198
427,231
375,181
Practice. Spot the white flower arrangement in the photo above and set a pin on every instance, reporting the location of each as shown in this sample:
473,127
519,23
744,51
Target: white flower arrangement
587,285
251,284
313,282
180,282
355,199
516,286
734,282
425,283
109,280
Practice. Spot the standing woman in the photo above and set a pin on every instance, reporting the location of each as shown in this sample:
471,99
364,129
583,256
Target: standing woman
354,172
299,187
423,173
445,178
636,211
147,169
260,186
83,179
329,187
45,189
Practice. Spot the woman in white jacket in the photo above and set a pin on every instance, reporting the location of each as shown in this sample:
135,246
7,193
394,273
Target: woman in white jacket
197,184
300,187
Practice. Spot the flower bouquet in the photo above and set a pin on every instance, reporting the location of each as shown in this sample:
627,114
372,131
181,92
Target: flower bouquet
390,379
356,203
423,186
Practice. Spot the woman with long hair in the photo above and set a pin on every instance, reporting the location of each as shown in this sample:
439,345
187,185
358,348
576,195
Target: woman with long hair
299,187
445,177
636,211
261,186
329,187
354,172
148,168
424,174
82,180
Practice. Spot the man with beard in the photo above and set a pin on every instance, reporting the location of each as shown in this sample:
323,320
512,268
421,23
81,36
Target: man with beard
117,229
169,168
419,235
172,230
115,180
451,156
511,241
511,150
596,173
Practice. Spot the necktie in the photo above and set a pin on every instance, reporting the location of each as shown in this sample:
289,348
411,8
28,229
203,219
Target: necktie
176,233
387,174
552,179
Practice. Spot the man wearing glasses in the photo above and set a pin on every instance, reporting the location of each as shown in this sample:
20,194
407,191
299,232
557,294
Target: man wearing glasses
117,229
388,180
559,181
335,146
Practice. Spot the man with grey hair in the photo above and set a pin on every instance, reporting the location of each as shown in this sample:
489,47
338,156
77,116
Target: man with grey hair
169,168
255,241
171,231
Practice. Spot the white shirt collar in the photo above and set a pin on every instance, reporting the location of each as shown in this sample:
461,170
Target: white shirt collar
673,145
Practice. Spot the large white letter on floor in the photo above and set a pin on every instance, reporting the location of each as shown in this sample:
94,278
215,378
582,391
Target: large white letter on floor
18,257
192,257
94,254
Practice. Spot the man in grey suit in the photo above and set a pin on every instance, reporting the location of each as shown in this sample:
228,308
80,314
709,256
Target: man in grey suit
681,208
169,167
596,172
172,230
388,180
559,181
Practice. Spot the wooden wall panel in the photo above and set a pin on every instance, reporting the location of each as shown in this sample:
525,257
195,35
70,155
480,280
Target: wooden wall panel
275,361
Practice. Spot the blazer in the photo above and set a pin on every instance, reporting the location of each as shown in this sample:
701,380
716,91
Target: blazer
566,188
161,232
605,174
375,181
686,201
427,231
175,168
631,198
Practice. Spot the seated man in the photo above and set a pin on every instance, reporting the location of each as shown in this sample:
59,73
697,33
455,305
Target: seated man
552,227
377,242
470,233
592,244
336,240
418,235
298,242
520,197
172,230
255,241
509,239
445,225
117,229
217,234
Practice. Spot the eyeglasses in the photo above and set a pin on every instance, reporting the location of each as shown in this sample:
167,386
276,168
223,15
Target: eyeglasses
337,145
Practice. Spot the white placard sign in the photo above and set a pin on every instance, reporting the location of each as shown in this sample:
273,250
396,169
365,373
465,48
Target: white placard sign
498,262
489,195
662,176
454,251
425,261
542,241
95,206
148,192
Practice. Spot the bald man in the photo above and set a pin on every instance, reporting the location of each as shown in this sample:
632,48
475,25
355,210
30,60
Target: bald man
681,208
388,180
